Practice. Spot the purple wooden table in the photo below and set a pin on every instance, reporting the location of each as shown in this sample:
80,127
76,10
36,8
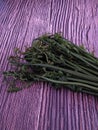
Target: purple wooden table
41,107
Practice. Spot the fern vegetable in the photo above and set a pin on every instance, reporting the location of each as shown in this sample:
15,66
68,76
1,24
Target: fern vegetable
54,59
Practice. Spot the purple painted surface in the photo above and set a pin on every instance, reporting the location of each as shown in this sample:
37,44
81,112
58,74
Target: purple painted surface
41,107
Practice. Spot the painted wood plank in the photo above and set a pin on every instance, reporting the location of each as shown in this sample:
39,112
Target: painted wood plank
20,22
77,21
41,107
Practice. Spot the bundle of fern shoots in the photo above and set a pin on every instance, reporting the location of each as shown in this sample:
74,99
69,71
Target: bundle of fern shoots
55,60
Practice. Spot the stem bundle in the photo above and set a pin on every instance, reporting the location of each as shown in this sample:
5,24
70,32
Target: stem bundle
53,59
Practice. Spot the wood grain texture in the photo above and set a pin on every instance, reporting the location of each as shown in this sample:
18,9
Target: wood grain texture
41,107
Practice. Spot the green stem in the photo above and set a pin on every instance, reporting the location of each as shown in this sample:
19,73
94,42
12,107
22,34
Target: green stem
67,71
69,83
82,81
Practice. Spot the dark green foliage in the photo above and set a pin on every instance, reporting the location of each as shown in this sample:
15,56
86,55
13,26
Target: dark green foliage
55,60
